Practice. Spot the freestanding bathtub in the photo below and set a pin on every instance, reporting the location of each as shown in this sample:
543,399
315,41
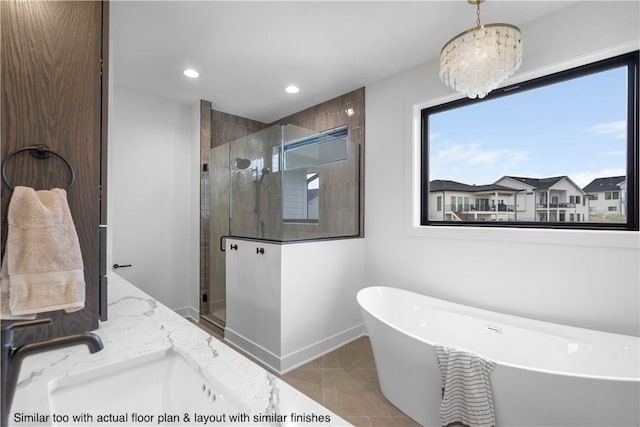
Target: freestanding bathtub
546,374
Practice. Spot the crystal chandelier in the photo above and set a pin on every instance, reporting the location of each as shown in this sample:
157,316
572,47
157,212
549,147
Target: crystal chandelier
477,60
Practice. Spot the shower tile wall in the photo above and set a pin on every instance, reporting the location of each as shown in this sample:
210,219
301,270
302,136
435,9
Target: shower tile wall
338,192
347,109
227,127
245,183
338,211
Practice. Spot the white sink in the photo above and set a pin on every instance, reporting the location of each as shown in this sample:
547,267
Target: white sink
157,384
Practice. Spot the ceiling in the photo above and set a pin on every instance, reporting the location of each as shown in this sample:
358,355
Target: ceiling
247,52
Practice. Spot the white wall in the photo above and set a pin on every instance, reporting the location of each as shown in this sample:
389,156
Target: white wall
153,189
320,281
296,301
583,278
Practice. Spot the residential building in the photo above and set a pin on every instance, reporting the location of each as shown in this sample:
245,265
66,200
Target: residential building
553,199
511,198
455,201
607,198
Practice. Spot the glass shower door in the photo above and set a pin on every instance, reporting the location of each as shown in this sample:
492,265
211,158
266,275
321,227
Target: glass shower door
214,311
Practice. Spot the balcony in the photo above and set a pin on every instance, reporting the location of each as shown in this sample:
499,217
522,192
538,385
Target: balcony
555,205
479,208
479,212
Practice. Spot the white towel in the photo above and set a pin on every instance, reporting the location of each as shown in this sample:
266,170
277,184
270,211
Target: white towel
5,311
466,398
44,268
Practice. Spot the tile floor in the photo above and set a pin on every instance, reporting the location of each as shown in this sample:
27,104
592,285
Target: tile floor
346,382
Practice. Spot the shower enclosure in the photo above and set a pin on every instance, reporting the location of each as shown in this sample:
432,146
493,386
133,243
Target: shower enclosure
282,184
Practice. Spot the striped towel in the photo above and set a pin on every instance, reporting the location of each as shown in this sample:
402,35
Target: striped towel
466,390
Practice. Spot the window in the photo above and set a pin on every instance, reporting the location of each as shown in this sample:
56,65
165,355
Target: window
537,154
543,199
612,195
313,196
301,178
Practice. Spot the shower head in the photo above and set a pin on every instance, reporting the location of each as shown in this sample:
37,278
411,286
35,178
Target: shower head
264,172
242,163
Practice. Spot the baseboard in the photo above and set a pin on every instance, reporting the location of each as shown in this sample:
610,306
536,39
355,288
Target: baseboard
255,350
188,312
305,355
293,360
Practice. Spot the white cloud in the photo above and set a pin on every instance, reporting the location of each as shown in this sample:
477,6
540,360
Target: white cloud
583,178
472,164
617,129
473,154
615,153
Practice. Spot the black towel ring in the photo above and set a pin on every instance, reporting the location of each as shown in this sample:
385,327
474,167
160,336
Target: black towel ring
40,152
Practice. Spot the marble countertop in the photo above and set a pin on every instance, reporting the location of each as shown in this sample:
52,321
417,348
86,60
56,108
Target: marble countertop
139,325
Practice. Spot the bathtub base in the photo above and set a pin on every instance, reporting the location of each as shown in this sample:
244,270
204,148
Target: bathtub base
408,373
526,398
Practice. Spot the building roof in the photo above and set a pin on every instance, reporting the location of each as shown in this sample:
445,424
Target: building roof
446,185
537,183
604,184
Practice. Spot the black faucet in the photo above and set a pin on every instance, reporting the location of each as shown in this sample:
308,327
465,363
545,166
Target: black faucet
12,357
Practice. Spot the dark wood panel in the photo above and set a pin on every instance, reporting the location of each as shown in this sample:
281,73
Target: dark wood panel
102,299
51,87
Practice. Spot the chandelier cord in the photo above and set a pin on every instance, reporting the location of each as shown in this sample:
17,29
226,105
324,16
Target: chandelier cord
478,13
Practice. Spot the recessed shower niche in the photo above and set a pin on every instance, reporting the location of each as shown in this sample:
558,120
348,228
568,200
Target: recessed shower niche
283,184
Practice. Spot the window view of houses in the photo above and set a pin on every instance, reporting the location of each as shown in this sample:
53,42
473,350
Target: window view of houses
515,198
544,151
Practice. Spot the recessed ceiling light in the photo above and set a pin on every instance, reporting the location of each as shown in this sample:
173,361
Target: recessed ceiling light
292,89
189,72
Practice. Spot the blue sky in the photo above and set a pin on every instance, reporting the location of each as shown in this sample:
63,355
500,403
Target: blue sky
575,128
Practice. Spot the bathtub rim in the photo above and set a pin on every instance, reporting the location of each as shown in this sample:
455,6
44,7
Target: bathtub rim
461,310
